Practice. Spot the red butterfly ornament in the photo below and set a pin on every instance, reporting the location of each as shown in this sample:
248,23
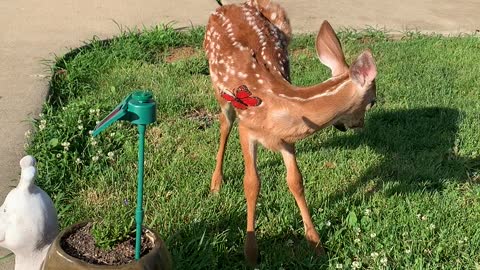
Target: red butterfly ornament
242,98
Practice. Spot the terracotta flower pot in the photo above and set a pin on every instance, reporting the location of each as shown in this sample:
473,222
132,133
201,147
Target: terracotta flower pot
157,259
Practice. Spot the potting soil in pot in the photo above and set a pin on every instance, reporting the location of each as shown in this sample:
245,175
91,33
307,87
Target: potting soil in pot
81,244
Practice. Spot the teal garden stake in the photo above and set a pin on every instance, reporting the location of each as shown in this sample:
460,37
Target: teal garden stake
138,108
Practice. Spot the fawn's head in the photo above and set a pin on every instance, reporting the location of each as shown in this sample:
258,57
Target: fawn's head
362,74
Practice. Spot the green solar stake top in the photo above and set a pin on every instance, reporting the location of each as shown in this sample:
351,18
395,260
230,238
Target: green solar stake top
140,109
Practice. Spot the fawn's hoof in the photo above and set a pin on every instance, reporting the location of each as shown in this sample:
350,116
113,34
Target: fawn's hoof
318,248
314,240
253,259
214,191
216,184
252,256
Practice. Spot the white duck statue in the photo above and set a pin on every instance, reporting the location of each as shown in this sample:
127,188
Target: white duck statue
28,220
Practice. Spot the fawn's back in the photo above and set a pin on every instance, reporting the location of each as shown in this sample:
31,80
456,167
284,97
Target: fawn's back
241,41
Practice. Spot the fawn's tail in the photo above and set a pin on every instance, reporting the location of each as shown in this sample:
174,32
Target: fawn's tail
275,14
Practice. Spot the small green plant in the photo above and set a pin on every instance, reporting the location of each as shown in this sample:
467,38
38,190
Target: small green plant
114,228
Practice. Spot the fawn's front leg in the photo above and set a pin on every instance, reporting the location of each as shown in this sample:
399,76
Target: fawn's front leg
251,185
227,117
295,184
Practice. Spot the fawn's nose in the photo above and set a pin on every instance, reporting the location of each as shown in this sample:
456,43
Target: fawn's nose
340,127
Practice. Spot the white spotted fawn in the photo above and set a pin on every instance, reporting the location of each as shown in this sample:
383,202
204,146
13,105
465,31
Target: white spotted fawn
246,46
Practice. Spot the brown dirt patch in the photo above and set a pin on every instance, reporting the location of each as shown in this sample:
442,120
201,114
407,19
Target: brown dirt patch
302,52
330,165
202,117
180,53
81,244
154,135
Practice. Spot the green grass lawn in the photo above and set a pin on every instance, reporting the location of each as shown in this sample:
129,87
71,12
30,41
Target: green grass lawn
401,194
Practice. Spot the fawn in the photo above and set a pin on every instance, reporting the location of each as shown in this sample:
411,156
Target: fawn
246,46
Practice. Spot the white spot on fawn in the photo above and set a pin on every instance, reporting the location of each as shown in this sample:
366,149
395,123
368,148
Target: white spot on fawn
242,75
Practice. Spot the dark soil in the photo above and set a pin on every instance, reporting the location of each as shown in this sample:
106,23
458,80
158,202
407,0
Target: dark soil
202,116
80,244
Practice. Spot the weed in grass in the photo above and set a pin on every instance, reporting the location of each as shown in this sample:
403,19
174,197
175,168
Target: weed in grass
401,194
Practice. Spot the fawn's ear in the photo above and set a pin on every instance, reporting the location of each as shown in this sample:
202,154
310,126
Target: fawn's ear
329,50
363,71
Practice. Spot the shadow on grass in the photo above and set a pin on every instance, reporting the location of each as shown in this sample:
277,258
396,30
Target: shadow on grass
218,244
419,149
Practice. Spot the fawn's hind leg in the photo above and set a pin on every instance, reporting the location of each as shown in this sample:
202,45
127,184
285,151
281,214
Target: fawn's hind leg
227,117
251,185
